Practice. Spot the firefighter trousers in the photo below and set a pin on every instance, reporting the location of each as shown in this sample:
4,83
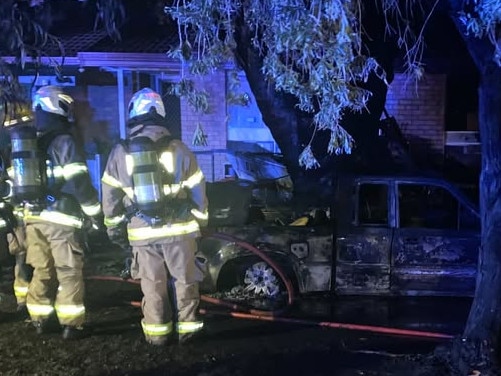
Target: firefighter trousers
22,274
157,265
57,283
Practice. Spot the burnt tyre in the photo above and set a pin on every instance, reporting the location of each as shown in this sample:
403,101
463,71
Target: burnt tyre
254,283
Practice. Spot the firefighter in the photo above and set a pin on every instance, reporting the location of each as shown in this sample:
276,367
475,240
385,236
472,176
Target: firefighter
52,185
15,115
153,183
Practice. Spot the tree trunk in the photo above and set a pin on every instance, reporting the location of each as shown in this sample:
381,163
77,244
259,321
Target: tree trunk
481,338
277,109
480,346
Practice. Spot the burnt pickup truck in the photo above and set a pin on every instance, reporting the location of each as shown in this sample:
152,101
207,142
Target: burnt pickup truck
380,235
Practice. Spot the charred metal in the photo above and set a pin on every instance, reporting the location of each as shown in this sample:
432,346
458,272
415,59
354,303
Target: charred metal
380,235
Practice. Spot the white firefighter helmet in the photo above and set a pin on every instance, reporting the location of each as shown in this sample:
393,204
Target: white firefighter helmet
143,100
52,99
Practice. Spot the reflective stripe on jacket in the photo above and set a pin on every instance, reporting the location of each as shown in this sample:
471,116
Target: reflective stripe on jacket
188,182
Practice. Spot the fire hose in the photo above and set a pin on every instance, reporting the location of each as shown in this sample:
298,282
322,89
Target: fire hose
243,312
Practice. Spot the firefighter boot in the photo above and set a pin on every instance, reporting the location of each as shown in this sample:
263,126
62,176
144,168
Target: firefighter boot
157,340
186,338
73,332
46,325
41,326
22,312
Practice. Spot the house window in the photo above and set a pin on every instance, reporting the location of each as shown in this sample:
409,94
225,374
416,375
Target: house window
229,172
373,204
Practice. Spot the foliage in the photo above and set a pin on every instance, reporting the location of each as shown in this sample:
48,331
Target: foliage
482,19
234,94
24,26
319,65
111,14
313,50
24,29
199,99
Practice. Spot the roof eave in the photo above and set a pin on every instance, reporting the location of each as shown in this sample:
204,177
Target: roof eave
125,60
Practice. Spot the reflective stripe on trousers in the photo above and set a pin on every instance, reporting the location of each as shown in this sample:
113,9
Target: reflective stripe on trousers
70,311
20,292
159,330
189,327
39,311
42,311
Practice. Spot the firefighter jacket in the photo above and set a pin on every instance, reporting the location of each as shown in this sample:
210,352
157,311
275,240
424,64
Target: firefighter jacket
188,182
71,193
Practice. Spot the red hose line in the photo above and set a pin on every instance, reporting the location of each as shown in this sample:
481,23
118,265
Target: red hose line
113,279
330,324
326,324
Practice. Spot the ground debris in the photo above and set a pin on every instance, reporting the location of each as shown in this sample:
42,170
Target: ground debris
239,295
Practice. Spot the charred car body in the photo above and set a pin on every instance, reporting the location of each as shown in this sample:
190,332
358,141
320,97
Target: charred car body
382,235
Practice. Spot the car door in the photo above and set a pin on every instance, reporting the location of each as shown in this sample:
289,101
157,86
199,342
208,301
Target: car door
363,240
436,241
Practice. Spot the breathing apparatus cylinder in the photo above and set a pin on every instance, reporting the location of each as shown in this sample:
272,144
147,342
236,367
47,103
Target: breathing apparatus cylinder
26,164
146,176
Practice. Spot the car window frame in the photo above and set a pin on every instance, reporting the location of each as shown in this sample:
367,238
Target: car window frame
455,192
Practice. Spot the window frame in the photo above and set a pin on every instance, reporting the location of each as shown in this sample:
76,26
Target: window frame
463,203
356,213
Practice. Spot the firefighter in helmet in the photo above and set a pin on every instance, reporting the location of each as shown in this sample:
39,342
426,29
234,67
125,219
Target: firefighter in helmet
52,184
15,114
153,184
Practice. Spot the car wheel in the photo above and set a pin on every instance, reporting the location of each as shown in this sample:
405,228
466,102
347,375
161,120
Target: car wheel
253,283
261,280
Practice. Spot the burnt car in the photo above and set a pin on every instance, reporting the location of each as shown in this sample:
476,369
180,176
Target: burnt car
380,235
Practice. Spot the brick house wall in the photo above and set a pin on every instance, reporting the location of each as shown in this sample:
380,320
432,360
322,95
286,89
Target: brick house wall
420,112
212,158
